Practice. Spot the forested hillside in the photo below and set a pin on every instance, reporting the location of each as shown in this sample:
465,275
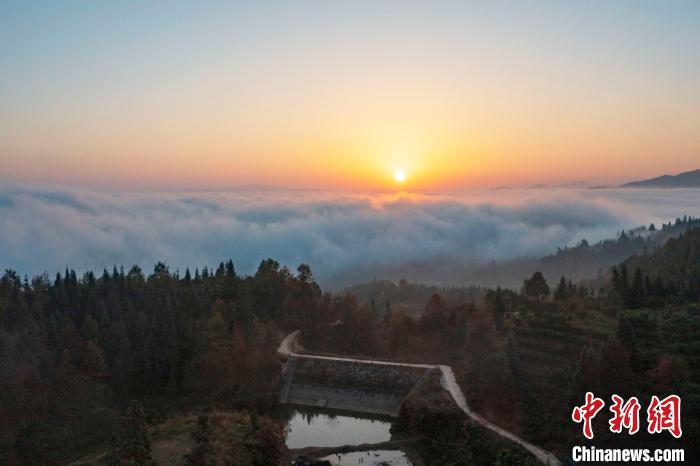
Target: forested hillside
526,358
586,260
74,351
671,269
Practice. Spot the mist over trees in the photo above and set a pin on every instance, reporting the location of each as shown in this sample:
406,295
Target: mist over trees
440,239
585,260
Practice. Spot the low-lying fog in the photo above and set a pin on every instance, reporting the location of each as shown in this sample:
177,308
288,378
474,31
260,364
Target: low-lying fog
346,238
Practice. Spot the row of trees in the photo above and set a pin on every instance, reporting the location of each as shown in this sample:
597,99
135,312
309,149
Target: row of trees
638,291
538,288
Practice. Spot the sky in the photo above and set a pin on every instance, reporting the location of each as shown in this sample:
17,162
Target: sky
342,95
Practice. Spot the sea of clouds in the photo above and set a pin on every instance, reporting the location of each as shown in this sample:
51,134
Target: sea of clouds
345,237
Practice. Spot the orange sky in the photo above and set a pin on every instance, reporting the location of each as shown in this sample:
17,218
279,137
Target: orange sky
341,97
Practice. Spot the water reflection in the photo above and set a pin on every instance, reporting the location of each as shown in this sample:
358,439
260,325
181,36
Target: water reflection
370,458
308,428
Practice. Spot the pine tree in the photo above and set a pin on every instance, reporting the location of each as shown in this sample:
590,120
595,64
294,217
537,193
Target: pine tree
499,305
636,293
230,270
113,458
90,329
135,444
388,314
561,291
92,359
624,281
615,280
201,452
536,286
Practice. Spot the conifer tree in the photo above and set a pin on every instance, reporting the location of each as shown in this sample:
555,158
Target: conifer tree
536,286
202,451
561,291
135,444
388,314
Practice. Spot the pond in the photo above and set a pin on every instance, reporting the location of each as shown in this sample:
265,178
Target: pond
370,458
321,429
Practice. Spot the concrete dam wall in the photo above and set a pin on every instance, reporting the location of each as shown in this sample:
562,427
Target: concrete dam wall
290,351
367,387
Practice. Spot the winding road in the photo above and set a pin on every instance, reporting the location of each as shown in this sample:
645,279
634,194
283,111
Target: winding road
448,382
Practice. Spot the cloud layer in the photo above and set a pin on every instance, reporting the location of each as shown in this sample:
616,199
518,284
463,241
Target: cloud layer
344,237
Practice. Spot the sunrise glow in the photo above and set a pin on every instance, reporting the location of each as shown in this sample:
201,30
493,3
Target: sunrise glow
296,97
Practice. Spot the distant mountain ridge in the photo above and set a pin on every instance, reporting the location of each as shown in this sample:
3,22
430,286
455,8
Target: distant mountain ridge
690,179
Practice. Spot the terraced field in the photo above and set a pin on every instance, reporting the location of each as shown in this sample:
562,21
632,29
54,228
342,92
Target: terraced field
544,361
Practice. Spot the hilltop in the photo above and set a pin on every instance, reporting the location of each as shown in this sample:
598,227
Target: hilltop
690,179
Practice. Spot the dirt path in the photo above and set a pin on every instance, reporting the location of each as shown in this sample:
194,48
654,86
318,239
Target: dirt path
448,382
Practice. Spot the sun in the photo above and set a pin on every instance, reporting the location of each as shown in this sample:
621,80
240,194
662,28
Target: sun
400,176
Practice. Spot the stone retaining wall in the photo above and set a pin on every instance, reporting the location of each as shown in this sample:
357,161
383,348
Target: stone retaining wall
351,386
